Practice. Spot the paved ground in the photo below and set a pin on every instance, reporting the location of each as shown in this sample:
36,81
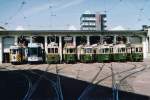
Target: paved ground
130,76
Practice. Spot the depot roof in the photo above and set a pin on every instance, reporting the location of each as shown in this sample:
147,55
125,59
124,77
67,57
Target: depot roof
69,32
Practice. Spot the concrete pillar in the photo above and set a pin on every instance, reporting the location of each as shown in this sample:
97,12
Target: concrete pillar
60,47
115,39
16,40
148,44
88,40
74,40
31,39
101,39
45,39
128,39
1,50
145,47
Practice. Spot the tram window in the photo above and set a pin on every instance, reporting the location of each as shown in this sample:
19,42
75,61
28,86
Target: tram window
100,50
52,50
106,50
67,50
133,49
13,51
140,50
118,50
19,51
33,51
123,49
56,50
71,50
49,50
111,50
88,50
136,50
39,51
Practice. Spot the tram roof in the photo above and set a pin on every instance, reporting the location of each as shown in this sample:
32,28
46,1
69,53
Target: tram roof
68,32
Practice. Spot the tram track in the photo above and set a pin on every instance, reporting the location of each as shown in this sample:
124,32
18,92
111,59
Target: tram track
33,86
122,78
92,81
56,85
24,75
128,73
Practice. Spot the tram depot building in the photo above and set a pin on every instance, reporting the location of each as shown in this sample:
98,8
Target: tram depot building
76,37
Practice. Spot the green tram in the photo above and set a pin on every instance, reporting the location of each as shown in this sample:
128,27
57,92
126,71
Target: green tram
85,53
53,56
137,52
69,53
104,53
119,53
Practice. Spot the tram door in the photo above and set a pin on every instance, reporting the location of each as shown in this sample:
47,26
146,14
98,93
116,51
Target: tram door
6,58
7,42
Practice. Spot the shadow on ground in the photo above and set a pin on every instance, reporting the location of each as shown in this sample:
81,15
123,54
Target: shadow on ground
40,85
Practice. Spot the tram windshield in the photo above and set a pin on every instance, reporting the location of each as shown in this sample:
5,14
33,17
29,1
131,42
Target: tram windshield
138,49
52,50
13,51
35,51
70,50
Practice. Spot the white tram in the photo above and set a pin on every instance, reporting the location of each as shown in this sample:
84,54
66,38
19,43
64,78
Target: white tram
35,53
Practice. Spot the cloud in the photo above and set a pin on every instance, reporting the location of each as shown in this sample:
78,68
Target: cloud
19,28
46,6
118,28
71,27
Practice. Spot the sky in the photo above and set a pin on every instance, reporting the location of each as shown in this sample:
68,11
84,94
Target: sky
62,14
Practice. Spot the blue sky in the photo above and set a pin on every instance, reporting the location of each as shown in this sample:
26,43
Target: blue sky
60,14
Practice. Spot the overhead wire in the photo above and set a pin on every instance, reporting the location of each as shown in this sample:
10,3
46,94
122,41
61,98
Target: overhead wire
7,22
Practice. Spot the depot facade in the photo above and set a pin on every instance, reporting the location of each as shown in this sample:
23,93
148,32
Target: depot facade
10,37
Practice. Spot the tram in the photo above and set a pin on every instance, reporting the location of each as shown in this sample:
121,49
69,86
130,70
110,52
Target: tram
35,53
69,53
104,53
53,53
119,52
137,52
18,54
85,53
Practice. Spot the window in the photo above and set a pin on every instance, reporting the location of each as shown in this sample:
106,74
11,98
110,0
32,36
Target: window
13,51
133,49
122,50
35,51
88,50
56,50
136,49
49,50
39,52
71,50
106,50
140,49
